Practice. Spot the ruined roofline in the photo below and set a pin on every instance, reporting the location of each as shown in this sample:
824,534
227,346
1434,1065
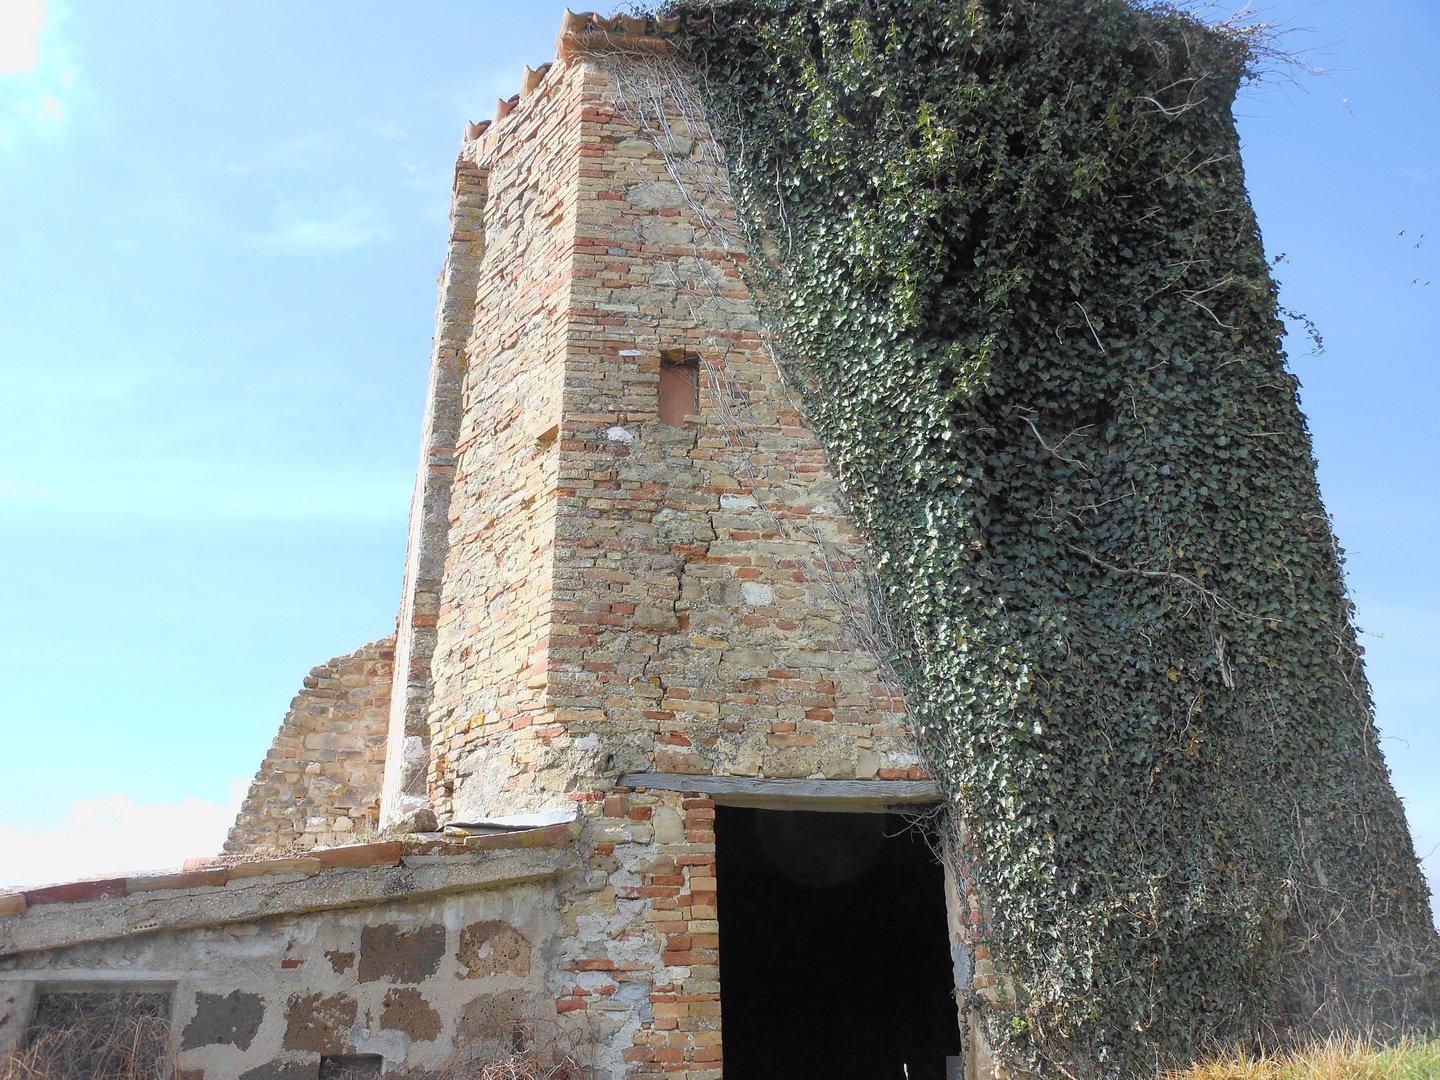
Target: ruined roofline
213,871
580,34
217,891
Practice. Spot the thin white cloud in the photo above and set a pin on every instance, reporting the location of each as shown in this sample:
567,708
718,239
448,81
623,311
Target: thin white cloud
20,24
114,836
343,228
37,70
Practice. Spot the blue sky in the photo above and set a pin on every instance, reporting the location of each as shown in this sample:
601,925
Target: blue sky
220,228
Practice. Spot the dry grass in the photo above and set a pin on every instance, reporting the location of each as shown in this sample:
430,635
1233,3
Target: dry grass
107,1044
128,1048
522,1065
521,1049
1335,1059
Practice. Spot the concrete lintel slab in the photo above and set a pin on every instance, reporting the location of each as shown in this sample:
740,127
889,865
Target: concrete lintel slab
865,796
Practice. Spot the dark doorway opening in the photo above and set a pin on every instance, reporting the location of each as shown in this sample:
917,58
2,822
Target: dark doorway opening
834,954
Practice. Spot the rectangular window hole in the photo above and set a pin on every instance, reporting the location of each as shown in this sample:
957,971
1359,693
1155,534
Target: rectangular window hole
679,386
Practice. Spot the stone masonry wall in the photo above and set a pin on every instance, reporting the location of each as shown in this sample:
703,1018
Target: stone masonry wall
406,766
618,596
704,573
624,596
322,777
410,979
493,631
705,577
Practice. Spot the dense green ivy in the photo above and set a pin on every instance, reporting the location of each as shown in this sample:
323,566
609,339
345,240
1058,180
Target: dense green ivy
1014,268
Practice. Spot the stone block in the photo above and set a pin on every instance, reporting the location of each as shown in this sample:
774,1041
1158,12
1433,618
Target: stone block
230,1019
669,826
394,953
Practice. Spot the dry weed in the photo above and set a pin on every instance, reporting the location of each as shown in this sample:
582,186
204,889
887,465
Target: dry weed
517,1048
1338,1058
126,1048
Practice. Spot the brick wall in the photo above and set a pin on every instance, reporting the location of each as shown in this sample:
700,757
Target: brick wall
590,591
429,536
321,779
493,630
621,595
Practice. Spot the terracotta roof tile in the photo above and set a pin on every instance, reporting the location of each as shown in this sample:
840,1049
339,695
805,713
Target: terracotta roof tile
75,892
589,32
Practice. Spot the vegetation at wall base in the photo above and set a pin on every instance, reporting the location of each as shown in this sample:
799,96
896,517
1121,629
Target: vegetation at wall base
1334,1059
120,1048
1006,250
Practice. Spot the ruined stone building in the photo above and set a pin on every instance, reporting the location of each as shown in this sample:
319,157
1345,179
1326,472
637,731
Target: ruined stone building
632,670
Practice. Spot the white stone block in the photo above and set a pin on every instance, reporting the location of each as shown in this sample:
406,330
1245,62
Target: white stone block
757,594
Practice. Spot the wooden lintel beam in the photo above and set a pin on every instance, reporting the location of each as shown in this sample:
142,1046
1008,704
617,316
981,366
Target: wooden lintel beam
853,795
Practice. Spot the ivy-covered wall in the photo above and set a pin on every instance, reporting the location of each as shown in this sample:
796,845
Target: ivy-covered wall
1013,266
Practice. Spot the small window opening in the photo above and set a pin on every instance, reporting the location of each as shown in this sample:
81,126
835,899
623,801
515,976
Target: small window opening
351,1067
102,1034
679,386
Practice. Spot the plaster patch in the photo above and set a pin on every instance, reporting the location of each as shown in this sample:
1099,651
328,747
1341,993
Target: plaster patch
756,593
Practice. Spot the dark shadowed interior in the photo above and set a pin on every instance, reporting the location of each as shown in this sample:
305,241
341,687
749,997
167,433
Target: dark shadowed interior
834,956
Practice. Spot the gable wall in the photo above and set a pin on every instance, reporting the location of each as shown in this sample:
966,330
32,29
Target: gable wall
686,589
697,610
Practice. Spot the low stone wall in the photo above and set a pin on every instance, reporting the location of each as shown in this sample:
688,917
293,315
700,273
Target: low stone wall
321,779
268,968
